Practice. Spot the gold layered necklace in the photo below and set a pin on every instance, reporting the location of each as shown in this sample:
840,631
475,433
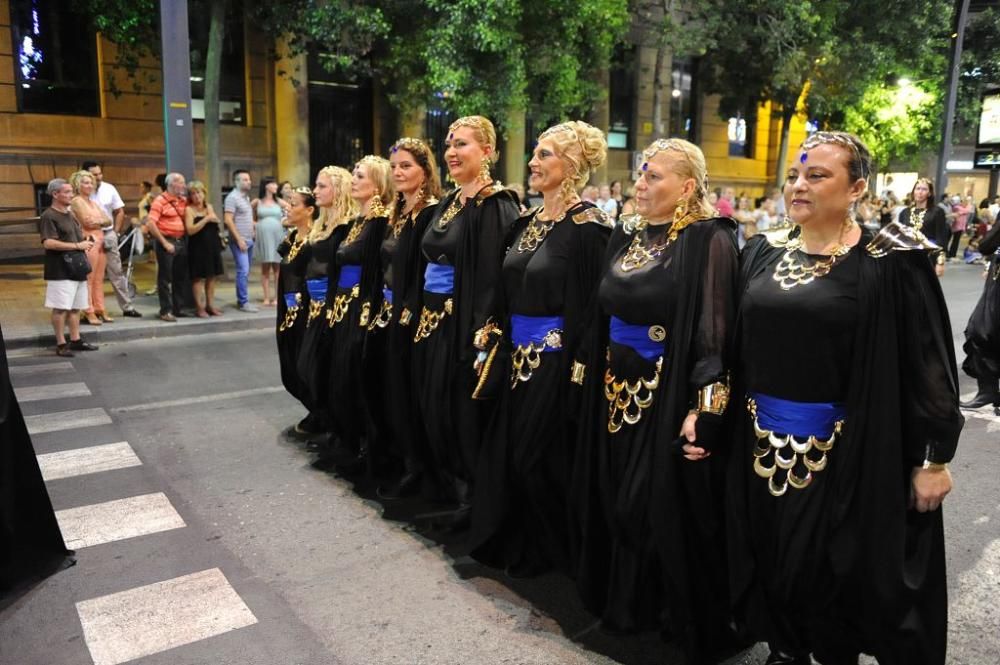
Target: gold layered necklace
539,227
356,229
638,254
917,217
449,214
293,251
791,271
400,223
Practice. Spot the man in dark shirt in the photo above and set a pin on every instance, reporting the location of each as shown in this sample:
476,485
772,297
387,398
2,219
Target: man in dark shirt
60,233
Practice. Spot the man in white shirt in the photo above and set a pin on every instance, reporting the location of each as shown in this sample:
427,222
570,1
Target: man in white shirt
106,195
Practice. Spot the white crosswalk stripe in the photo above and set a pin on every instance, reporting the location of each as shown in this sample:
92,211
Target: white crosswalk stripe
53,391
84,461
45,368
146,620
63,420
107,522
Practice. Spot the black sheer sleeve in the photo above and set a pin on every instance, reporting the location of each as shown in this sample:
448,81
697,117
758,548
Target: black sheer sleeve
370,288
712,337
931,420
581,319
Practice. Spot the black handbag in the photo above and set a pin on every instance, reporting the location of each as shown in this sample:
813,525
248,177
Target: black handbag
76,264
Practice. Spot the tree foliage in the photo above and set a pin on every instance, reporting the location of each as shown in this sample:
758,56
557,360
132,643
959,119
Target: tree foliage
980,71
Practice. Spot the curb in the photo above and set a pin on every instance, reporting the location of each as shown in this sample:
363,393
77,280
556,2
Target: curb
152,328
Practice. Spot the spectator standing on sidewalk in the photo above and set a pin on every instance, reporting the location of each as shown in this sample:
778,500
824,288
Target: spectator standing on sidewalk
204,249
962,210
166,224
269,234
60,233
238,215
92,219
106,195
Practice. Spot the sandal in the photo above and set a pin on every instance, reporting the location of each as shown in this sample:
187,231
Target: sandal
63,351
104,317
92,319
202,314
214,311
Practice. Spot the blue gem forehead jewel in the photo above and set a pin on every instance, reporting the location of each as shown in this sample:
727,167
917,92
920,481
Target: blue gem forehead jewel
803,158
645,166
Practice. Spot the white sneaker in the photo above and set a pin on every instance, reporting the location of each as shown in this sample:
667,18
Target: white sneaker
247,307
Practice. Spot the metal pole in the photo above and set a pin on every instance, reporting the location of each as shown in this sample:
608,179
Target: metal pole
962,10
178,134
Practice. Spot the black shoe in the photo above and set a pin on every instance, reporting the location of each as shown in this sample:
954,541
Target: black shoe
63,351
980,400
80,345
408,485
132,313
987,393
182,315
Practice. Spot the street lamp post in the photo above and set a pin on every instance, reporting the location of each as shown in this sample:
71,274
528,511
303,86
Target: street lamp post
962,14
178,134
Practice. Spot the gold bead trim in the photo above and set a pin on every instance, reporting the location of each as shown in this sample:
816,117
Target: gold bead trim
429,321
315,310
383,317
341,304
291,314
527,358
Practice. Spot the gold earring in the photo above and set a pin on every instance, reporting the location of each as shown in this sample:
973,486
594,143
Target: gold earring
377,208
680,212
484,170
568,189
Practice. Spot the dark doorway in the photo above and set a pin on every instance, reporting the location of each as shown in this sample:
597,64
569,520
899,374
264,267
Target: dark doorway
340,119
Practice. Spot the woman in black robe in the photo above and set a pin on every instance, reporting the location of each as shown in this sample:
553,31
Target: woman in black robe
929,219
30,541
464,247
388,376
982,333
650,550
293,296
356,296
848,415
332,193
549,289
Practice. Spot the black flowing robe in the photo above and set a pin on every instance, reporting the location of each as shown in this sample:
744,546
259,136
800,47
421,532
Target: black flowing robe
313,364
443,363
346,401
290,328
30,540
388,373
520,514
871,577
657,510
982,332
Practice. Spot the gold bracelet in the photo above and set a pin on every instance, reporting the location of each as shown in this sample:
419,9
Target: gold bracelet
713,398
934,466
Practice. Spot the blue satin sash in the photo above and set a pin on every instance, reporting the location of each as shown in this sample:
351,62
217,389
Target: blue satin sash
290,299
439,278
317,288
525,330
803,419
350,276
637,338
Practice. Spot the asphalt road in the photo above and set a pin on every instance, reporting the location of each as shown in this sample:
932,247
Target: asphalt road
207,538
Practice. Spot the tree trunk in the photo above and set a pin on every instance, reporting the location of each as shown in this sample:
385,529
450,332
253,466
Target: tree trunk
661,56
787,113
213,74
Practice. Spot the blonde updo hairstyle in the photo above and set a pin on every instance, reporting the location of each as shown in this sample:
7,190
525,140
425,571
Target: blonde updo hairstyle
78,177
377,170
344,208
582,148
483,130
688,161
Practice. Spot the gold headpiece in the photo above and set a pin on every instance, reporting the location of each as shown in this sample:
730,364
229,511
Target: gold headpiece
410,144
842,139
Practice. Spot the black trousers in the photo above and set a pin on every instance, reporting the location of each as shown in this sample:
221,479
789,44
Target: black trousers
173,284
956,236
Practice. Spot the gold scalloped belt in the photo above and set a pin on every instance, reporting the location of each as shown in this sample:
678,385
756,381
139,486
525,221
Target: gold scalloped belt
628,399
525,358
777,457
341,305
292,313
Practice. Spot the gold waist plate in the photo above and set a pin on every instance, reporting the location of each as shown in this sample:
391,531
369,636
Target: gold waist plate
628,399
782,458
341,305
292,313
430,320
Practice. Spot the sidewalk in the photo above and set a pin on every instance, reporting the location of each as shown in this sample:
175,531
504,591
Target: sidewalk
26,322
